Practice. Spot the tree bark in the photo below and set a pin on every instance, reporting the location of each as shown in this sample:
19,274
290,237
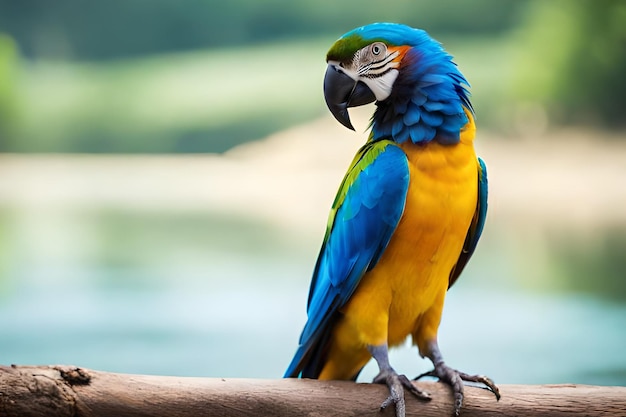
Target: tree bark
61,391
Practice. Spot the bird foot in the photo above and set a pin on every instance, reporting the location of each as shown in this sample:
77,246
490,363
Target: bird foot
397,384
455,379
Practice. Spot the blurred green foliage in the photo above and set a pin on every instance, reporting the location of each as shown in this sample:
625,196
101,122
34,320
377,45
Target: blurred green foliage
573,60
75,29
200,76
8,91
182,102
593,264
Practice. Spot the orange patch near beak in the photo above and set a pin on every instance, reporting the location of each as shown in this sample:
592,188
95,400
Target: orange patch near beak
401,50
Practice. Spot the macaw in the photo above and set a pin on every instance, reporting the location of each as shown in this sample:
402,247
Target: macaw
407,216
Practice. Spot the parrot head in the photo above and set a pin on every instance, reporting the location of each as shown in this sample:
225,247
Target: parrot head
419,92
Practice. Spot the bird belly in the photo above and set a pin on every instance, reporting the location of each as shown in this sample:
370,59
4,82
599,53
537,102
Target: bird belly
404,293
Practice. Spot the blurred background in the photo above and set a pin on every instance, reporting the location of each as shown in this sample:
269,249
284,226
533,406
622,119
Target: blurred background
167,169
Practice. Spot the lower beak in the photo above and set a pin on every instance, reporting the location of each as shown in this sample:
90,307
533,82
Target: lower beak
341,92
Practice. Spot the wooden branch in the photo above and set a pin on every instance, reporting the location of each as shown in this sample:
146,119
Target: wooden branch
61,391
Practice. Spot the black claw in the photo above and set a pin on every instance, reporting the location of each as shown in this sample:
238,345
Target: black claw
406,383
396,384
481,379
425,374
455,379
386,403
396,391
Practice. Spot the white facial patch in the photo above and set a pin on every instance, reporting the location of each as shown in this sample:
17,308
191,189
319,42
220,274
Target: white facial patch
381,86
374,66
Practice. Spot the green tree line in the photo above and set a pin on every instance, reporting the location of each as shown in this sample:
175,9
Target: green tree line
80,76
95,30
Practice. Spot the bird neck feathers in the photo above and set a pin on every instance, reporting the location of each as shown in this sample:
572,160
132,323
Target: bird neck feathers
428,100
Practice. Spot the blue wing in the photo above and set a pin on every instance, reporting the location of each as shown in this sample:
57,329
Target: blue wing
365,213
476,227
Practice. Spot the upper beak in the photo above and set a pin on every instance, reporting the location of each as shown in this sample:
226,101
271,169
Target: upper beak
342,91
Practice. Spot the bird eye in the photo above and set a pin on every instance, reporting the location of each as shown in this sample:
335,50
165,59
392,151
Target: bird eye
376,49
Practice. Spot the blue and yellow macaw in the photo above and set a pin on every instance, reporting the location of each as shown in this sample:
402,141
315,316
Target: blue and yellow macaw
407,216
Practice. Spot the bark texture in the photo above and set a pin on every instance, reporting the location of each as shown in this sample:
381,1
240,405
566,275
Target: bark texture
61,391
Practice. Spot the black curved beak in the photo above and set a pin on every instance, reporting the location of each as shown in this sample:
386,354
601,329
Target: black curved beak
341,92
